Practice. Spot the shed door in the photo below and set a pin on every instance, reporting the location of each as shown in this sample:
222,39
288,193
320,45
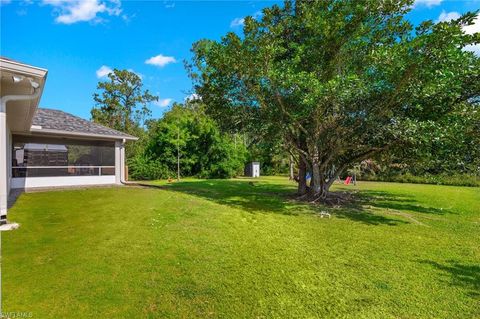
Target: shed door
256,170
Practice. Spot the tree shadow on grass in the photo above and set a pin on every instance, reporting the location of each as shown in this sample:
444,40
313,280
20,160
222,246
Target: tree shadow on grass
400,202
247,195
461,275
262,197
366,217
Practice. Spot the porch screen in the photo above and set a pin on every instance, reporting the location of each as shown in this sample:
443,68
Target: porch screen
42,157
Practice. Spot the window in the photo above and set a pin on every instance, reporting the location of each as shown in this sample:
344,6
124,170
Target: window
40,157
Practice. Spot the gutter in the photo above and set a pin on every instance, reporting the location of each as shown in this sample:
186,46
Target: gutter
22,69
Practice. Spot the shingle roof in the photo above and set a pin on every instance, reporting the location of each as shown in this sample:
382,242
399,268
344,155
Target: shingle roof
56,120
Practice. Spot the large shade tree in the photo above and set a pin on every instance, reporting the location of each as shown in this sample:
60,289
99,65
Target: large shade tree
338,81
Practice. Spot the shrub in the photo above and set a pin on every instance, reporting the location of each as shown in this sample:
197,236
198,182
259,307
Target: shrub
145,168
205,151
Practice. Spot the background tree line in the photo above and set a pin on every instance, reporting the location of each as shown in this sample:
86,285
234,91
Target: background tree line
185,137
339,86
448,156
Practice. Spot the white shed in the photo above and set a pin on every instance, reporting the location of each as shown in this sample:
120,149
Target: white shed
252,169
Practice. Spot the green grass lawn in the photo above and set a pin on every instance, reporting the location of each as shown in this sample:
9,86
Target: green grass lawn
230,249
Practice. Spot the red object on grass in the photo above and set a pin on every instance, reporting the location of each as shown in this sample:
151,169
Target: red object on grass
348,180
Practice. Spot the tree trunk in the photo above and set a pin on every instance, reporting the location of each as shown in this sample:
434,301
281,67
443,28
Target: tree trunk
291,177
320,186
302,181
332,179
316,178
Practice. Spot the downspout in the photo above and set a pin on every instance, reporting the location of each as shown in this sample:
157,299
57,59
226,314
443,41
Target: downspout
22,97
8,98
3,145
122,162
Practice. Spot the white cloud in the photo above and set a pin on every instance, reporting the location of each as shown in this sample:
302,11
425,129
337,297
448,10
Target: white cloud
241,21
475,48
427,3
163,102
474,28
169,4
104,71
127,18
192,97
140,75
237,22
448,16
160,60
471,29
72,11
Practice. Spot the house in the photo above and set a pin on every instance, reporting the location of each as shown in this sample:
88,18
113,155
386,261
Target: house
48,148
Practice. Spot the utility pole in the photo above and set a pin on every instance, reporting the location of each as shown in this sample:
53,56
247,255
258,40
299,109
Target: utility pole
178,154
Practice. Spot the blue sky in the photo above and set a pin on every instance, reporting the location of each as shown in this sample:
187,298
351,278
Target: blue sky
79,41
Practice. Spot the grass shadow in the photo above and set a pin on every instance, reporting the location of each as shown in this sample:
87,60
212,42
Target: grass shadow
244,194
364,216
400,202
462,275
264,197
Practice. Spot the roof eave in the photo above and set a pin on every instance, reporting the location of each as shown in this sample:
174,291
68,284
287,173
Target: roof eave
25,69
80,134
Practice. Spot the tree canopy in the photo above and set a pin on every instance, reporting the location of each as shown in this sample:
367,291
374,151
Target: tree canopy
122,103
339,81
203,150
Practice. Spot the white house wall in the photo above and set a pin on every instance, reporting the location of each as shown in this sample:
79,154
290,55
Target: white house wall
118,162
61,181
9,158
4,133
